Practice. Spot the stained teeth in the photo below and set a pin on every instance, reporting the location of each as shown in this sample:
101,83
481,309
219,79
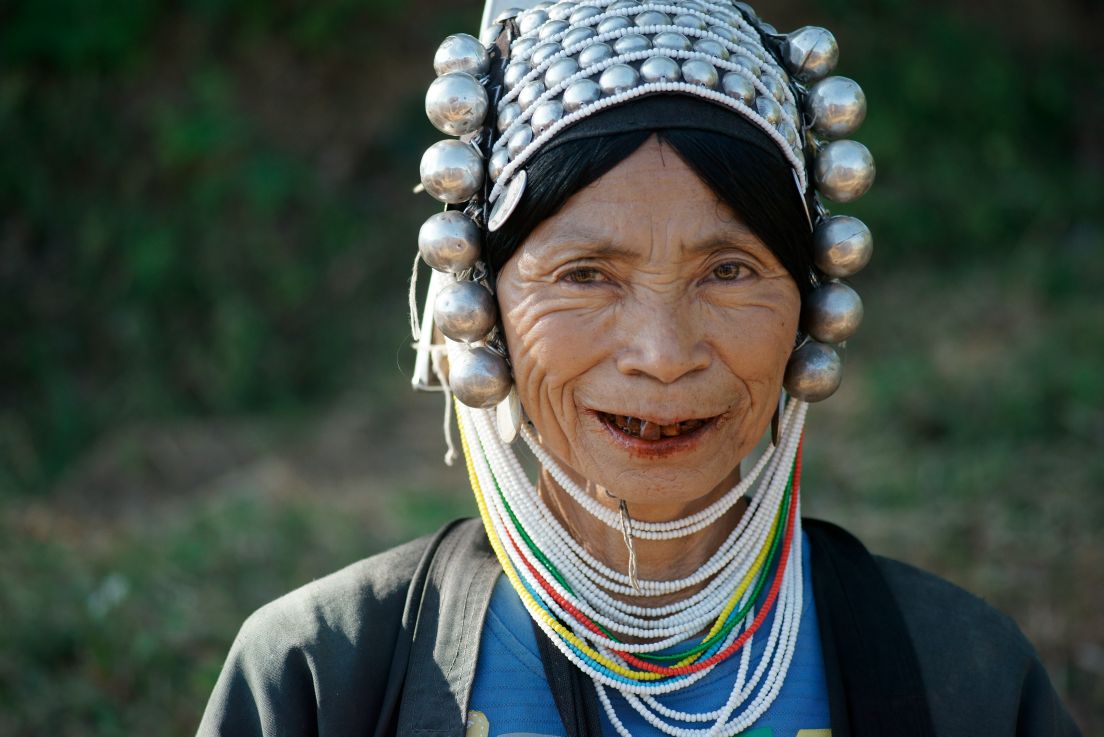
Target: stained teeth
652,430
649,430
669,431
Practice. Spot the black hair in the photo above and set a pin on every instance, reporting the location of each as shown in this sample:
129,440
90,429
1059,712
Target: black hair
755,181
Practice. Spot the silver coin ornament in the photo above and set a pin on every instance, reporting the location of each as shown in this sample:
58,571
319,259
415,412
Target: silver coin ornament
514,73
837,107
660,69
449,241
832,312
711,47
551,28
769,108
631,43
842,246
618,78
844,171
578,35
580,93
652,18
479,377
544,52
464,311
738,86
687,20
451,171
616,23
546,115
456,103
531,20
671,40
595,54
811,53
559,71
462,52
530,93
519,139
813,373
700,73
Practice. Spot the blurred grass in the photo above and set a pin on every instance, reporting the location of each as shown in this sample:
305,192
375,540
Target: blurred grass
205,232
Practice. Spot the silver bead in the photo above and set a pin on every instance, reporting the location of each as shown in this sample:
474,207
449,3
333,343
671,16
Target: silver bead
578,35
545,51
652,18
543,5
837,106
451,171
595,54
561,11
622,5
560,70
551,28
478,377
832,312
700,73
618,78
811,53
530,93
531,20
630,43
507,114
774,87
582,92
489,35
583,12
724,32
747,62
813,372
842,246
738,86
687,20
449,241
671,40
844,171
711,48
508,14
788,132
660,69
500,158
461,52
547,114
521,48
456,103
519,139
769,108
691,5
616,23
514,73
465,311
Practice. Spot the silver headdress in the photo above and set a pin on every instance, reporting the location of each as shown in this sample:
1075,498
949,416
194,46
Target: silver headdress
536,71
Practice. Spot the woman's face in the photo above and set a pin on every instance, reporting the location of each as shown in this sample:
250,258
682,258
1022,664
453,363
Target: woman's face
648,330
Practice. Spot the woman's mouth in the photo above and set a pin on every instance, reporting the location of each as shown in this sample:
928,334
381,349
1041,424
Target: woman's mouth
635,427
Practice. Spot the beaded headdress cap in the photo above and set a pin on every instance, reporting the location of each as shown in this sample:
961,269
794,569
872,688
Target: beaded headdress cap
535,72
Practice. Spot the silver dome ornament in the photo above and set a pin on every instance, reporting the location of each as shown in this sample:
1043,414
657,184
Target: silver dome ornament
530,93
688,20
561,11
551,28
813,373
832,312
618,78
449,241
583,12
700,73
776,88
507,114
724,32
451,171
616,23
478,377
748,62
531,20
580,93
631,42
545,51
489,35
711,48
660,69
461,52
508,14
595,54
671,40
560,70
623,5
521,48
652,18
514,73
837,107
769,108
577,36
498,161
507,202
545,115
519,139
842,246
456,103
811,53
844,171
465,311
738,86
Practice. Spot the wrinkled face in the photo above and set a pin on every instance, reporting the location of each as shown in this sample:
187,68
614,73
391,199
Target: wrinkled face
648,330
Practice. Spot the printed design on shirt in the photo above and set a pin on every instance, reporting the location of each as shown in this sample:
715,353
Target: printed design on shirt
478,726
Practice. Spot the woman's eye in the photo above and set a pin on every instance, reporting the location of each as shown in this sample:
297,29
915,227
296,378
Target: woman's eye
729,271
583,275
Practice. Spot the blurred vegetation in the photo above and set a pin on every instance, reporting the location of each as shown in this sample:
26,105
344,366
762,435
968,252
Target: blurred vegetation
205,235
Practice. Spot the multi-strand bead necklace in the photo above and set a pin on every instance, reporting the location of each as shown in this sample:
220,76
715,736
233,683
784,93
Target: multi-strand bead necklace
647,651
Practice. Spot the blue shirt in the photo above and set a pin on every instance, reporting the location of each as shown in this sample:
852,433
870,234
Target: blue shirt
511,697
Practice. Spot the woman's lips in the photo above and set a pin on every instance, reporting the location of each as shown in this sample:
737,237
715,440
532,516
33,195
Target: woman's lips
649,430
649,437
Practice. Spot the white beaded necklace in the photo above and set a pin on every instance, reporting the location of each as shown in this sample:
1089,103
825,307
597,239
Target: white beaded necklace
591,587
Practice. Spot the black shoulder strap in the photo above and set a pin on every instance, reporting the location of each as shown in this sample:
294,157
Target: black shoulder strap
875,686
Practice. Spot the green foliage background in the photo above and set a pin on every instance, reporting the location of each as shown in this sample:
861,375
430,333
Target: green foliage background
205,235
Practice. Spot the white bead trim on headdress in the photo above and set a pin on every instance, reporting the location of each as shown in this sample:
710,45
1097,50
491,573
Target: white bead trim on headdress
514,92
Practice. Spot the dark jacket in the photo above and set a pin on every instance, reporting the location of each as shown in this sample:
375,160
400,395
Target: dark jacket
389,646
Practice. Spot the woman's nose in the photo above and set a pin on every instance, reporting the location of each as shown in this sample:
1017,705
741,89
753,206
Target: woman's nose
662,342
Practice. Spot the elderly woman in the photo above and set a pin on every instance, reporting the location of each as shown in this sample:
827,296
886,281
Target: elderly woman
636,280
